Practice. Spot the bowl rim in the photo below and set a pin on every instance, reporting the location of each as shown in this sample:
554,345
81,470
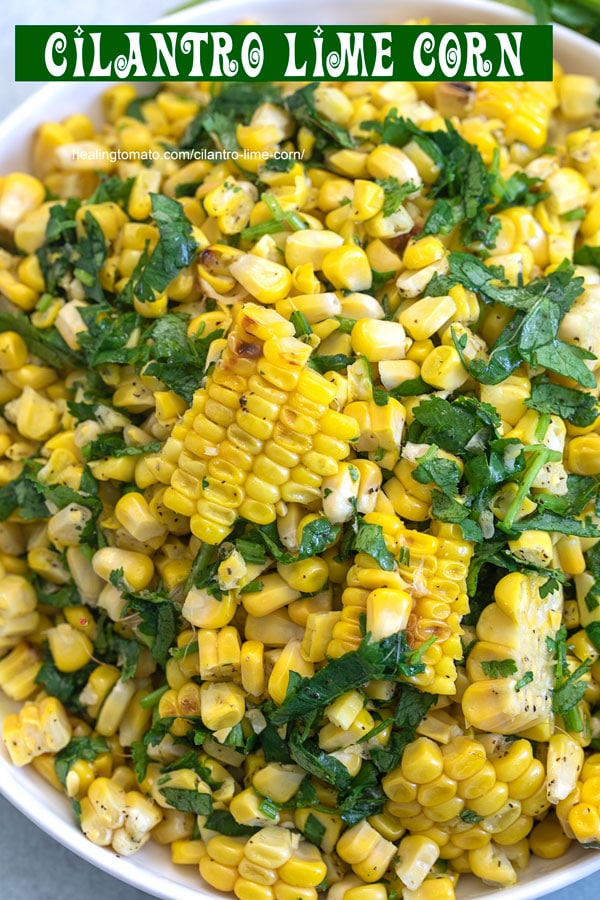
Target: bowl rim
24,788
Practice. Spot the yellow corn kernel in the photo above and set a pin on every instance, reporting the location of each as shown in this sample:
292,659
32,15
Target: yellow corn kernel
426,316
347,268
138,568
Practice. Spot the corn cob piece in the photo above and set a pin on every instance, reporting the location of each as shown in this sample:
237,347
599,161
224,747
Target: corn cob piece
514,627
111,816
37,728
469,793
261,430
273,864
425,596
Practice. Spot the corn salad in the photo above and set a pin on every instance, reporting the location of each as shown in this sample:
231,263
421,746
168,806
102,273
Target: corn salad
299,470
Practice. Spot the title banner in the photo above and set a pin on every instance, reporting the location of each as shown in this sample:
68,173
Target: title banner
283,53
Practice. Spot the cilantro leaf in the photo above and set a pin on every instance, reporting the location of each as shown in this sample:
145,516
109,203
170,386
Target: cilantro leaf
176,358
65,686
301,106
369,539
576,406
78,748
411,707
113,445
452,426
22,495
336,362
46,344
222,821
432,469
501,668
188,801
175,249
395,195
587,256
470,816
552,522
370,662
314,830
592,558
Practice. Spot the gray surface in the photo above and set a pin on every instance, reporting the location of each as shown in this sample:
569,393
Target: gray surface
32,865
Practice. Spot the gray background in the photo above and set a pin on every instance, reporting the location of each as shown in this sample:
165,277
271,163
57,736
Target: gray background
32,865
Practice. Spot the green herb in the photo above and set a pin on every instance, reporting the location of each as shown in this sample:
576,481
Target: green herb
78,748
317,536
470,816
216,124
269,808
158,626
369,539
576,406
188,801
452,426
222,821
371,661
279,214
108,445
47,344
569,687
587,256
592,558
442,472
593,632
301,106
22,495
526,679
281,164
411,707
314,830
502,668
336,362
65,686
395,193
300,323
175,249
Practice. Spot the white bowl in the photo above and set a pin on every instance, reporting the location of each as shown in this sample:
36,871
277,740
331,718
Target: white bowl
150,870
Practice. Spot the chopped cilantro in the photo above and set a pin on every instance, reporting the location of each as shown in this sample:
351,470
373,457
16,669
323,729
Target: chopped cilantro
395,193
78,748
188,801
175,249
576,406
502,668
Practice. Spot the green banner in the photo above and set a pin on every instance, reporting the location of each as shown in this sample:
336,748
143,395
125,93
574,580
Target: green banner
283,53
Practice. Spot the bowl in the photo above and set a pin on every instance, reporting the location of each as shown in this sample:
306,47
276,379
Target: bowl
151,870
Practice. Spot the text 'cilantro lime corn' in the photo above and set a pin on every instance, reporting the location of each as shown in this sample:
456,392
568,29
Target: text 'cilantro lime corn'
239,52
299,469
